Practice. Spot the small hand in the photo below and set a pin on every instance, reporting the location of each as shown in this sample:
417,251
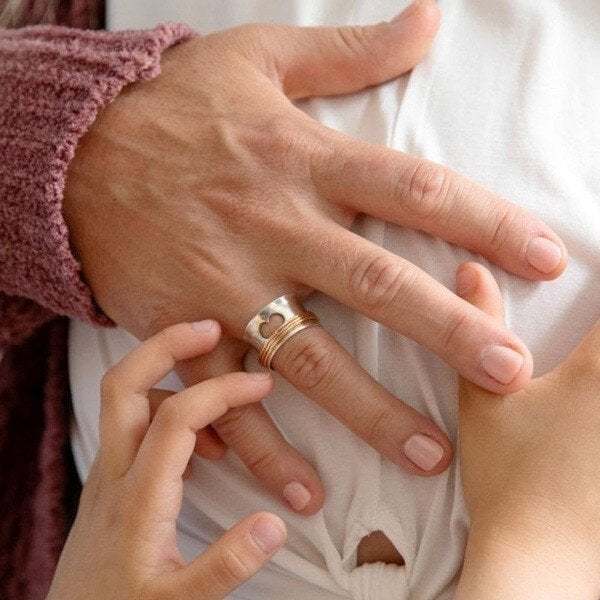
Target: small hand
207,193
123,541
530,468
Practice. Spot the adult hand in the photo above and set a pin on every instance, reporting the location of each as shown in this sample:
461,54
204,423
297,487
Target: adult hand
123,541
207,193
530,468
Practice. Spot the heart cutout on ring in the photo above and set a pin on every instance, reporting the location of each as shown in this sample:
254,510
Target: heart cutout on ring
268,328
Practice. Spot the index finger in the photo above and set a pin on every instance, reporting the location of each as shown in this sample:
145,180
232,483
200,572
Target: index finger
125,409
168,445
420,194
393,291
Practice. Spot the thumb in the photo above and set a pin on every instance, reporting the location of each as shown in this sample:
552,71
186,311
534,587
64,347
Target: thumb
476,285
238,555
321,61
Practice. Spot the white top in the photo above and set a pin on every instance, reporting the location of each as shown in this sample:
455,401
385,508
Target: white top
509,96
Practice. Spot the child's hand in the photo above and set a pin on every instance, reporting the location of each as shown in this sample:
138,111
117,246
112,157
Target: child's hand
530,468
123,543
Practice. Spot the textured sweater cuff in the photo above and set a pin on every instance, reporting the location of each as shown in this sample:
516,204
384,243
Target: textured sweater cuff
53,83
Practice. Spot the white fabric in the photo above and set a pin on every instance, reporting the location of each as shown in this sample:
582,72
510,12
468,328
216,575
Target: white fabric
509,96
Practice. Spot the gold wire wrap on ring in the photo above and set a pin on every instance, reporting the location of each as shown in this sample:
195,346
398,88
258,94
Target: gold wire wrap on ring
282,334
295,319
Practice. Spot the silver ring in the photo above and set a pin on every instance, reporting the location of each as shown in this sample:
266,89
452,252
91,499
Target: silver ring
295,319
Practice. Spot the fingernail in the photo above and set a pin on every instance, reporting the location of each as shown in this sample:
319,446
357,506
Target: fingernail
268,534
297,495
466,281
543,255
203,326
501,363
423,451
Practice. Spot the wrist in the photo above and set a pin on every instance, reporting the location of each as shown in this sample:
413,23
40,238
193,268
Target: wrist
527,556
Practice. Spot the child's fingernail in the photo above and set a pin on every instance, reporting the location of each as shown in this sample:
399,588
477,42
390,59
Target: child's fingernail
203,326
268,533
543,254
423,451
501,363
297,495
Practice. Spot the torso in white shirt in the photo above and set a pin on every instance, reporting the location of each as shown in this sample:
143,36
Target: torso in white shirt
509,96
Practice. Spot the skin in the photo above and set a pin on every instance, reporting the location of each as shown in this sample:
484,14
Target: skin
194,195
529,467
123,541
530,470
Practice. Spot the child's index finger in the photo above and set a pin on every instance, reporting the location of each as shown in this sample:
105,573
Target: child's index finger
153,359
125,410
169,443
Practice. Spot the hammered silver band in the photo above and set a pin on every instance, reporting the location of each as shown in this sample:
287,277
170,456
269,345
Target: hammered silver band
295,319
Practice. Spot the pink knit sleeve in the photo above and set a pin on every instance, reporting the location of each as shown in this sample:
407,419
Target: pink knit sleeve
53,83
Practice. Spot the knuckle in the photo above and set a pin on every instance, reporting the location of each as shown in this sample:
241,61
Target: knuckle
502,227
273,155
262,462
328,155
231,567
429,189
357,41
454,331
233,426
377,426
354,38
312,364
380,282
289,140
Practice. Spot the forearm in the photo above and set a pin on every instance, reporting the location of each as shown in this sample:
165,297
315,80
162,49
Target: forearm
53,83
505,563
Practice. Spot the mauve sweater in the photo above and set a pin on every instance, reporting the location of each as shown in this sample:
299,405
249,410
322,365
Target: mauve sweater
53,82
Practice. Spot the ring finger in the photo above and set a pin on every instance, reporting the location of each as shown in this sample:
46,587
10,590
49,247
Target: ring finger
319,367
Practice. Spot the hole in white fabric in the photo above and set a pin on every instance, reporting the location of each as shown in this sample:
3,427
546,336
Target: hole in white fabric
376,547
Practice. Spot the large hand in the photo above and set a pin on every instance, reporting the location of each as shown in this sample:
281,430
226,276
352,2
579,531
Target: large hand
123,541
530,467
207,193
